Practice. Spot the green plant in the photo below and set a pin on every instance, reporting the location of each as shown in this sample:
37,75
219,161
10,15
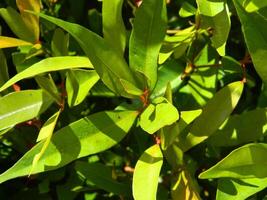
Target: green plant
156,106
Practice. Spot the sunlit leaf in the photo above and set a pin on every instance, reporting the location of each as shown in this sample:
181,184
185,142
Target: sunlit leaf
158,114
248,161
84,137
50,65
217,110
78,84
146,174
45,134
147,35
215,15
21,106
7,42
113,25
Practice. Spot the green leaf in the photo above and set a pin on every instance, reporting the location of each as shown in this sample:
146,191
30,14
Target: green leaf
49,65
183,188
101,176
78,84
31,21
217,110
113,26
87,136
215,15
254,30
16,24
158,114
239,189
45,134
169,72
238,128
146,174
248,161
187,10
146,38
3,68
254,5
48,85
21,106
60,43
110,66
7,42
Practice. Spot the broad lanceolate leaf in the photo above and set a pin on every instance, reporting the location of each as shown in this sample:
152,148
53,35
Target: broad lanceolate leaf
31,21
217,110
110,66
187,10
238,129
248,161
113,26
19,28
45,134
21,106
49,65
158,114
78,84
84,137
101,176
239,189
254,30
146,174
254,5
146,38
7,42
215,15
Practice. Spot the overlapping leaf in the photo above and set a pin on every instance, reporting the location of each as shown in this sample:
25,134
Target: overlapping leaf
84,137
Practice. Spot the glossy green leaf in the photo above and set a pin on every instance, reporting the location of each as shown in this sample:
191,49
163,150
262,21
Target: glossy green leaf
7,42
254,5
146,174
248,161
101,176
187,10
48,85
19,28
60,43
84,137
49,65
254,30
239,189
148,32
110,66
217,110
215,15
78,84
45,134
113,26
238,128
158,114
169,72
31,21
21,106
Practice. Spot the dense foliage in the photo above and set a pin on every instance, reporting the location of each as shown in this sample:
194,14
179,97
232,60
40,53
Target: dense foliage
127,99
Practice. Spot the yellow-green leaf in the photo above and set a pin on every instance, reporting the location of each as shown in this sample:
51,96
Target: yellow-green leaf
146,174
